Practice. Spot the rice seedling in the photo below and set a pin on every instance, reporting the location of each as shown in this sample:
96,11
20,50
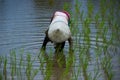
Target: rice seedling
28,67
13,63
103,9
48,70
107,67
81,15
5,68
47,63
30,71
90,8
1,60
96,19
86,30
69,63
1,77
97,68
21,64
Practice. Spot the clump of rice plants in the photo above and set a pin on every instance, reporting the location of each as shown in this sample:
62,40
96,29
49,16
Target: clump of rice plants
103,20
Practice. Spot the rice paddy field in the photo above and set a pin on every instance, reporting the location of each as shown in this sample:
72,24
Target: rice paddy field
95,29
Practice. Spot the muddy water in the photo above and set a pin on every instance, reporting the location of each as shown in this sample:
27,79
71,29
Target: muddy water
22,26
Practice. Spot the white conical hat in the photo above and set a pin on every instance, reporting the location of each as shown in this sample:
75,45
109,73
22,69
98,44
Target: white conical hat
59,32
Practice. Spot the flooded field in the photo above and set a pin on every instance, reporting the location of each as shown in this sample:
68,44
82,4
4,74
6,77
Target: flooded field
95,31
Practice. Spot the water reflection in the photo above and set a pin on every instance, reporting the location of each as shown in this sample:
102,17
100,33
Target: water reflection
57,67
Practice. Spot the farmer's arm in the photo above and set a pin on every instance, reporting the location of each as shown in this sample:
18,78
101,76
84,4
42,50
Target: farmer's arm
46,40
